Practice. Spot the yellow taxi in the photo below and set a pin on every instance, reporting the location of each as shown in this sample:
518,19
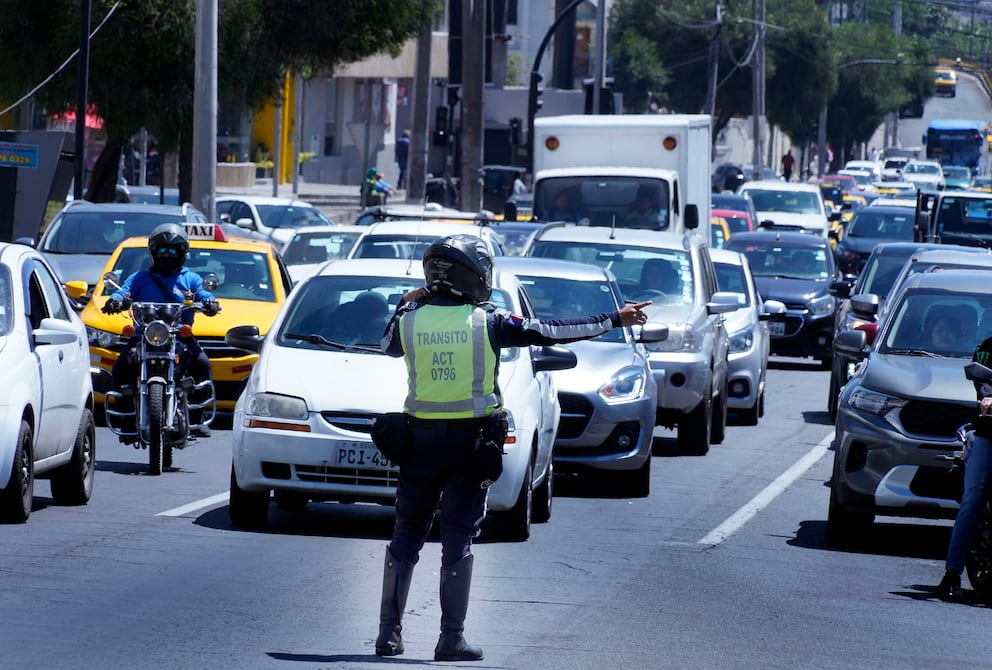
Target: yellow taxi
945,81
249,279
719,232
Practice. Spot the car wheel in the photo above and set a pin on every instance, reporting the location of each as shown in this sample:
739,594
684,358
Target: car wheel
543,497
289,500
694,428
72,483
826,363
718,429
247,510
979,562
749,416
514,524
634,483
846,527
16,499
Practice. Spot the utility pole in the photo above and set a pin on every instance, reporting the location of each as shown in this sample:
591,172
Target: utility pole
417,168
473,79
600,60
82,79
298,126
897,31
758,82
205,110
709,106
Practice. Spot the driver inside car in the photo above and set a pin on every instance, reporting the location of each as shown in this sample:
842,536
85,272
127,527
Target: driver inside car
167,280
658,277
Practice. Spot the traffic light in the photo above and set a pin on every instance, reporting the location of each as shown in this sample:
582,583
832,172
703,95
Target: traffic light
606,104
440,137
515,136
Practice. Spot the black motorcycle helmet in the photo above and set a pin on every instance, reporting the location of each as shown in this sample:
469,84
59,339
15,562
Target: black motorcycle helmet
168,246
459,266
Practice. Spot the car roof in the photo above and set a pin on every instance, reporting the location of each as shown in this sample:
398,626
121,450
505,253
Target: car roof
791,238
975,281
426,228
727,256
551,267
373,267
155,208
265,200
885,209
777,185
607,235
906,249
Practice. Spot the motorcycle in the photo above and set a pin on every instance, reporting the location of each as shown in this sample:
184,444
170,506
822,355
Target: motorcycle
978,564
160,419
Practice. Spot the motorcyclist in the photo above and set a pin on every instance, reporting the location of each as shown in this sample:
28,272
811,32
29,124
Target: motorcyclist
977,475
165,281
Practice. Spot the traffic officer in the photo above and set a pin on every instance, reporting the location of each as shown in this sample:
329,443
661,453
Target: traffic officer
165,281
446,321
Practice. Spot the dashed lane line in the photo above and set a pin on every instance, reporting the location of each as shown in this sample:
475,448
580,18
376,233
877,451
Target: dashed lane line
196,505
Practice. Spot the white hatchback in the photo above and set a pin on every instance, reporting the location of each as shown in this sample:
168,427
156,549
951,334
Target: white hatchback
46,404
302,426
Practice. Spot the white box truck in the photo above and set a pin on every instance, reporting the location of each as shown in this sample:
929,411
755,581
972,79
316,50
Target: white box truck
634,171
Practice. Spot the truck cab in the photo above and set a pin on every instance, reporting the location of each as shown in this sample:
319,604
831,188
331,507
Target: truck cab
954,217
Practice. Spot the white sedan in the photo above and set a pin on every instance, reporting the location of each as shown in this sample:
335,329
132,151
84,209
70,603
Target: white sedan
269,218
747,360
46,403
302,426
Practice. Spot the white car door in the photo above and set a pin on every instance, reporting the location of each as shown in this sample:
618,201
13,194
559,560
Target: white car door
63,361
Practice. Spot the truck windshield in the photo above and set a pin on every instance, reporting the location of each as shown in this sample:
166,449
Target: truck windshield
627,202
965,216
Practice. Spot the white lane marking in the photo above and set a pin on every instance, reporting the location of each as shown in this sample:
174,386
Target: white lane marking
196,505
736,520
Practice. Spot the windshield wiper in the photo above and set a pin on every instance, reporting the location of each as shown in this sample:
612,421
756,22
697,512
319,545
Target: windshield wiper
315,339
914,352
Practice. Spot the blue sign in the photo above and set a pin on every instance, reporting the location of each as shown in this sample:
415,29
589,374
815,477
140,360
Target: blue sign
18,155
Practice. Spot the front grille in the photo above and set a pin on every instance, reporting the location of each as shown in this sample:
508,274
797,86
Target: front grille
576,410
356,423
346,476
216,347
937,419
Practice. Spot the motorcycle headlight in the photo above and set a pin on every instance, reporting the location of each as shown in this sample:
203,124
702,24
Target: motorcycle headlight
277,406
874,402
101,338
156,333
625,386
821,306
742,340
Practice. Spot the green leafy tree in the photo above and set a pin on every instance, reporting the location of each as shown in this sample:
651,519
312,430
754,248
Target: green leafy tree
142,59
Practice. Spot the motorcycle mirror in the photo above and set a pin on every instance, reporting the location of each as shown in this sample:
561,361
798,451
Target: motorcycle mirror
977,372
211,281
112,280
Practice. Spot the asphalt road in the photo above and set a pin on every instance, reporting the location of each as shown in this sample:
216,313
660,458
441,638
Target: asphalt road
725,565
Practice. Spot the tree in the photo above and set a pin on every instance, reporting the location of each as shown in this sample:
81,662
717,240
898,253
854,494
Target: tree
142,59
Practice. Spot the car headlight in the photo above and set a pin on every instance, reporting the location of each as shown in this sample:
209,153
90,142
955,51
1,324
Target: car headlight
821,306
157,333
742,340
681,337
275,406
625,386
102,338
874,402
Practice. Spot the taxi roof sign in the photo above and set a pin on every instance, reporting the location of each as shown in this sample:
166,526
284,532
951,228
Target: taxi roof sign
205,231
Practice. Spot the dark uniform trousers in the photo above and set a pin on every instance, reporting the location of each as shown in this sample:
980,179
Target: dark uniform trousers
436,472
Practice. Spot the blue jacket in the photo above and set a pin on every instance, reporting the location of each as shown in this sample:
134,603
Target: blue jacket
144,286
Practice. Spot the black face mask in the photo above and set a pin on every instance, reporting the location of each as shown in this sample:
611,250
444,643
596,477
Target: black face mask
167,264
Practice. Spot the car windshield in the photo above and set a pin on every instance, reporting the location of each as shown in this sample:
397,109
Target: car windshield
408,246
663,276
921,168
937,323
731,277
99,232
773,259
797,202
6,304
240,275
956,172
309,248
737,222
555,298
967,216
291,216
874,224
880,273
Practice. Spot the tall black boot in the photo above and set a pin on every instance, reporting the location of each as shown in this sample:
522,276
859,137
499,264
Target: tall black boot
456,582
396,578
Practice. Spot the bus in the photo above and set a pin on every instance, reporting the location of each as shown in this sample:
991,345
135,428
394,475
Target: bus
956,142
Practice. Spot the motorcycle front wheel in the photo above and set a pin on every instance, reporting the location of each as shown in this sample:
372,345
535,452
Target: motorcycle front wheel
979,563
156,420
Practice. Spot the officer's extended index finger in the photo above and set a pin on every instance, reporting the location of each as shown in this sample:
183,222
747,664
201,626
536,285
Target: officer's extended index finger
641,305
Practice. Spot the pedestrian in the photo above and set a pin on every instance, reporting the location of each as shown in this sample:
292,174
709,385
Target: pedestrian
518,186
788,162
977,475
402,157
451,339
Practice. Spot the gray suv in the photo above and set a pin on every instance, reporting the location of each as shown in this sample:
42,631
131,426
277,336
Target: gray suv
898,415
676,273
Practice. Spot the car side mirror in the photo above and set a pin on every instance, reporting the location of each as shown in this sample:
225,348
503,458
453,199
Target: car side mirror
651,332
722,302
245,338
26,241
852,343
245,223
690,217
840,289
772,310
865,306
553,357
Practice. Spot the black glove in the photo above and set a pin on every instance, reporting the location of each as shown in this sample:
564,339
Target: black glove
113,306
211,307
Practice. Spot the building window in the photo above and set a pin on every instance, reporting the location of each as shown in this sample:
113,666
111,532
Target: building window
511,13
441,19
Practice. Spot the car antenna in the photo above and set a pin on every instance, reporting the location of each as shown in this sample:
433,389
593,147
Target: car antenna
613,227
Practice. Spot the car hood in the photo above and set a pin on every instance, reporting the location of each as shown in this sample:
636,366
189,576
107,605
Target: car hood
668,314
279,371
919,377
860,245
808,221
790,291
596,363
75,267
